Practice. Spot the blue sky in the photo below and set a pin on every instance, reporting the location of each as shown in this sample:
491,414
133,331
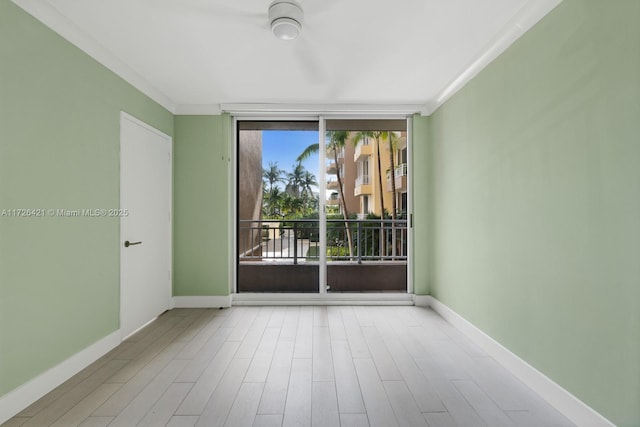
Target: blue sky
285,146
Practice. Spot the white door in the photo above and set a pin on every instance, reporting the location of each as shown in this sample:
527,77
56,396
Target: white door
145,223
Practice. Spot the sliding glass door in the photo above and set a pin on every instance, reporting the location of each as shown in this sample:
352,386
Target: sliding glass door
322,206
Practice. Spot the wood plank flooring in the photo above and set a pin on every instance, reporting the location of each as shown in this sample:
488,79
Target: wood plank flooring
294,366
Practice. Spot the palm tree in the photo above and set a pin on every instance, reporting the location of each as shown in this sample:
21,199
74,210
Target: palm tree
308,181
337,141
291,205
273,202
392,137
310,200
273,175
296,179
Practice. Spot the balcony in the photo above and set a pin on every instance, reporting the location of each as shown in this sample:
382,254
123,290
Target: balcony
363,149
331,154
400,177
363,186
332,184
332,168
333,200
288,253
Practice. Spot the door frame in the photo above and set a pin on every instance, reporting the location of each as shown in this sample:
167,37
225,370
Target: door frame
169,303
322,296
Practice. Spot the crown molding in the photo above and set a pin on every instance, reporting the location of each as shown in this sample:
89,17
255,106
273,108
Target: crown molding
520,23
429,107
198,110
321,109
44,12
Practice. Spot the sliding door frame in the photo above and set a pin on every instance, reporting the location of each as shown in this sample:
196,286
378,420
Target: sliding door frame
322,295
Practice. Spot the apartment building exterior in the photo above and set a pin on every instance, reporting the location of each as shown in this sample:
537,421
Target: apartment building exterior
347,169
358,167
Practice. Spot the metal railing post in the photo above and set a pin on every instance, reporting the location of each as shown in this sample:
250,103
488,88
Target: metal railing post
393,240
278,235
358,243
295,243
381,240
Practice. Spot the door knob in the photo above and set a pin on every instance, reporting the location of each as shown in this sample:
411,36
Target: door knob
128,243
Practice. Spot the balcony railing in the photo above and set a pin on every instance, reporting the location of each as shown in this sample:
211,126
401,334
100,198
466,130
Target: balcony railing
362,186
400,178
362,180
333,153
332,168
401,170
333,200
332,184
297,241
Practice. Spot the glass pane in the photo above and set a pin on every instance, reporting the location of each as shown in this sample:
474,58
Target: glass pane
366,211
278,200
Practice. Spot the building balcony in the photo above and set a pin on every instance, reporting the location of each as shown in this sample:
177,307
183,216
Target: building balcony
331,154
362,150
363,186
332,184
401,183
332,169
333,201
400,177
363,180
362,190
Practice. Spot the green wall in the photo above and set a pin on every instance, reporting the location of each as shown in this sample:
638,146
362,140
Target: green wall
201,243
536,202
422,219
59,149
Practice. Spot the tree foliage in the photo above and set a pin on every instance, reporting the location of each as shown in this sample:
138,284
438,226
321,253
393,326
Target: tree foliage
296,200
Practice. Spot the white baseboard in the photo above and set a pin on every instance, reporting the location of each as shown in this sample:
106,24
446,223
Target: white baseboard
422,300
16,400
205,301
569,405
339,298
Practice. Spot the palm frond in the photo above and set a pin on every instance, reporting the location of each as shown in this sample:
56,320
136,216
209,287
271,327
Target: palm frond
308,152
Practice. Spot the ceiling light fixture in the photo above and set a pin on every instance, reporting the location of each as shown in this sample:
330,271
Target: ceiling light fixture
285,17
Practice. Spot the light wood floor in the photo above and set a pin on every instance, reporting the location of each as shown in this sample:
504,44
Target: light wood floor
294,366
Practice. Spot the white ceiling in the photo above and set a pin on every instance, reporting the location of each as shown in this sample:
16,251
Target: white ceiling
206,55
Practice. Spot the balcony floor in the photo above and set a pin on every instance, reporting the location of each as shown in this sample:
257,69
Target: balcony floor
283,276
294,366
